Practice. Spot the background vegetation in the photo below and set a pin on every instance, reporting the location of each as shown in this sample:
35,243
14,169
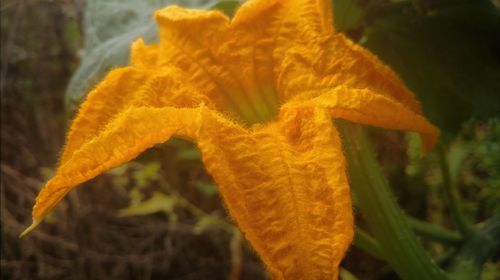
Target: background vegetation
160,216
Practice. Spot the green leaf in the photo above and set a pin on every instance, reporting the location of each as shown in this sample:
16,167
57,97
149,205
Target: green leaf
208,189
148,172
110,27
159,202
347,14
227,7
447,54
204,223
189,153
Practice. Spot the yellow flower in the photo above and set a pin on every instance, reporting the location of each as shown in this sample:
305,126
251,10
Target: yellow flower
257,95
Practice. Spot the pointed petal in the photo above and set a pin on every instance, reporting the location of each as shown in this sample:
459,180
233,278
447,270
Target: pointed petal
190,39
131,132
369,107
100,137
303,15
236,63
123,88
272,29
106,100
144,56
284,182
335,61
286,187
30,228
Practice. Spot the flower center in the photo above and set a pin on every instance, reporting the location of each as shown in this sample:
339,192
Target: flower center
259,106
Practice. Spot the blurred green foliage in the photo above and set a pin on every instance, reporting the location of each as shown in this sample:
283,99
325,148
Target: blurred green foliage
137,178
109,29
445,51
474,160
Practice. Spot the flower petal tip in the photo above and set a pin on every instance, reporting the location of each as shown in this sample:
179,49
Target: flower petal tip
429,141
30,228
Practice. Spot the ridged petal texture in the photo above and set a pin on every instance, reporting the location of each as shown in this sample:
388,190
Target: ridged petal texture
257,95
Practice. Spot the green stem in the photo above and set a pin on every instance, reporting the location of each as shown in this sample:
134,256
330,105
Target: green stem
434,232
427,230
451,194
381,212
365,242
479,246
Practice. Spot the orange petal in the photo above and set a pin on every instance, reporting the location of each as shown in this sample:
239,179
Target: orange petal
105,101
304,16
101,137
285,185
131,132
236,63
334,61
366,106
223,62
144,56
270,29
125,87
189,40
284,182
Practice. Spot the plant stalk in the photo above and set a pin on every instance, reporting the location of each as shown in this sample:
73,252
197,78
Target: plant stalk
365,242
434,232
481,243
378,206
451,194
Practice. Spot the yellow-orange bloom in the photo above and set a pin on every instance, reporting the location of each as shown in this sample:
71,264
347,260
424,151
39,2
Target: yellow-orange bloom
257,95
